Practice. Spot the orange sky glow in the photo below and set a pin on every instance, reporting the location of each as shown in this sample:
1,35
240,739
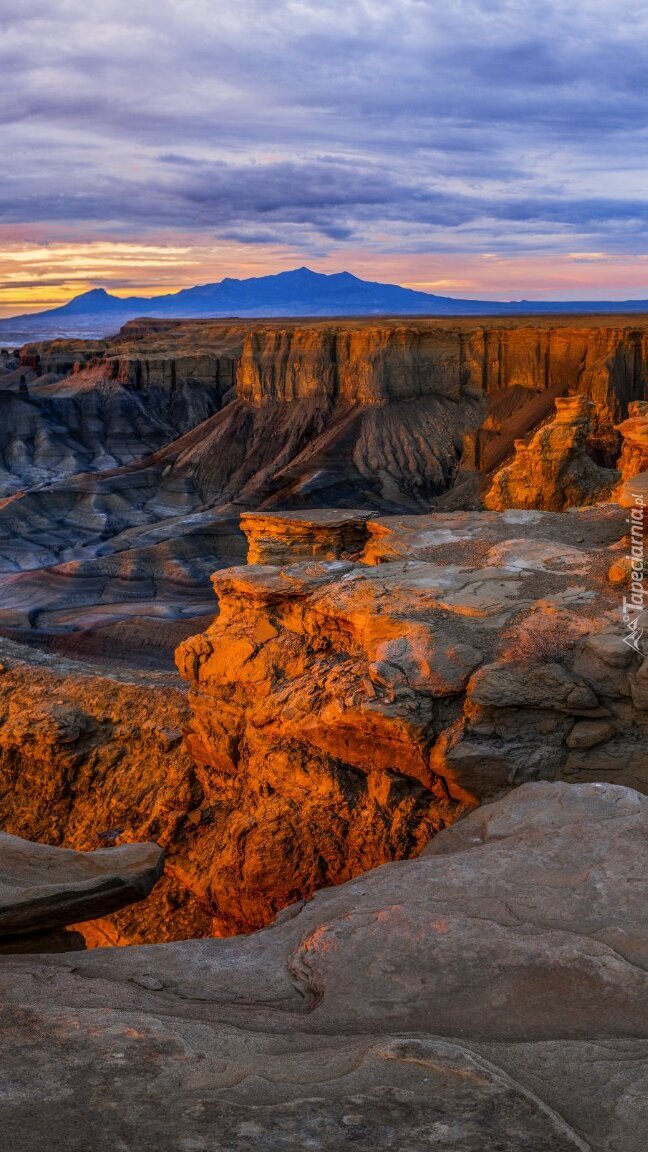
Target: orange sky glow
39,276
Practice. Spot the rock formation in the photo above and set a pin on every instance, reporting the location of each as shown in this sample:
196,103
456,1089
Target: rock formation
634,447
489,994
344,712
287,537
552,470
43,889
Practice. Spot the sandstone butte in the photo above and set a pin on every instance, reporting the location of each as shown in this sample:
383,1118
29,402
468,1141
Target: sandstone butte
407,743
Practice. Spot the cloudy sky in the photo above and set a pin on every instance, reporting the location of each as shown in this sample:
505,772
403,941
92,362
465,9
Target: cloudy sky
492,148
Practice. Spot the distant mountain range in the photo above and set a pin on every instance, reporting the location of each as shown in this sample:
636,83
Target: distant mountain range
300,292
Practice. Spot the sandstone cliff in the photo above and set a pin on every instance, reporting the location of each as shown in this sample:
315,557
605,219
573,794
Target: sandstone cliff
552,470
343,712
634,447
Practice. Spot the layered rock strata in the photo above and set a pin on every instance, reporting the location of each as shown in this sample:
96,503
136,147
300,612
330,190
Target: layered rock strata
488,995
285,537
552,470
98,417
126,459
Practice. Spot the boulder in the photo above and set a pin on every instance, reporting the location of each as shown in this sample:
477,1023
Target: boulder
44,888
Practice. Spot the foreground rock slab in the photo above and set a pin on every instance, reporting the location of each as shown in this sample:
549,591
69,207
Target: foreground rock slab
489,995
43,888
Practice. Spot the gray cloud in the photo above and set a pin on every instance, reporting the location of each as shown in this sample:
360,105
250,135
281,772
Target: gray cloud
496,123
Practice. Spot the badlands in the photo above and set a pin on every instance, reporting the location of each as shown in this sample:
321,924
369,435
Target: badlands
332,613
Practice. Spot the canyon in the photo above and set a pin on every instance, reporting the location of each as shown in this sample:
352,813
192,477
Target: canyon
331,613
125,464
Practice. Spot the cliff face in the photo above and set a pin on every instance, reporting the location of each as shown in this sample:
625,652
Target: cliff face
372,365
367,361
170,374
606,363
521,369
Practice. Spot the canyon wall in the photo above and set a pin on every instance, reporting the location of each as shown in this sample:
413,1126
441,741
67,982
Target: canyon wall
375,361
515,366
478,385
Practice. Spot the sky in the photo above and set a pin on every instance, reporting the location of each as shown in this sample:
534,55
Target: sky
473,148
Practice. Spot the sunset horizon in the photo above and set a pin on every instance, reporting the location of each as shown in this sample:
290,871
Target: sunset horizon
141,270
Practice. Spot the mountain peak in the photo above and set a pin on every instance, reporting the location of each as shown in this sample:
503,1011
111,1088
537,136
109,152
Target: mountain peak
92,294
301,272
94,300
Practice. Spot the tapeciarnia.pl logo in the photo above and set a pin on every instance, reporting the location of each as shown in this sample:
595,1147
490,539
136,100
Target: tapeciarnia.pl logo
633,604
